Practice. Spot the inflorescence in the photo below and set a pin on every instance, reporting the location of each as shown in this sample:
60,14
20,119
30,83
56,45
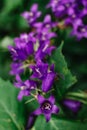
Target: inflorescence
32,49
71,13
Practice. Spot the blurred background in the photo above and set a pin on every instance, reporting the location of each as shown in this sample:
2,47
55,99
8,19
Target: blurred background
12,24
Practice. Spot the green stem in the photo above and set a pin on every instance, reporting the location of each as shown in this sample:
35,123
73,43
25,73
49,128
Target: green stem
80,100
82,95
35,96
30,100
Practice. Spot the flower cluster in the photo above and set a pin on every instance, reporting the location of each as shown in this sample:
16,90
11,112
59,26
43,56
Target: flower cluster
30,53
73,13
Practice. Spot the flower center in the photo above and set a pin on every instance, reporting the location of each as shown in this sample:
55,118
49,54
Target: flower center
30,14
73,16
46,107
48,26
23,87
67,5
55,1
81,29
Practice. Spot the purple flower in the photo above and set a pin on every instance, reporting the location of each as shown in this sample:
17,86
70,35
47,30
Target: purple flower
26,44
22,52
47,23
23,48
44,50
46,75
32,16
84,2
60,7
39,70
47,82
26,87
47,107
70,11
52,4
36,46
72,105
79,30
76,20
45,35
16,68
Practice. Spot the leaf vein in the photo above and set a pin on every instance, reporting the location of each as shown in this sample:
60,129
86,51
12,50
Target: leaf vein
6,110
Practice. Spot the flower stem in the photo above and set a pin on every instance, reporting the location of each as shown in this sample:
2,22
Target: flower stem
30,100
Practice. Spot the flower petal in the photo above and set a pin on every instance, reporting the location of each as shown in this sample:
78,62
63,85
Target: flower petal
48,82
38,25
51,99
37,112
31,121
20,95
18,78
72,105
47,19
47,116
40,99
25,14
34,8
55,109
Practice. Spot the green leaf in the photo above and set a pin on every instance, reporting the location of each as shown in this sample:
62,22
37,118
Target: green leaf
5,62
58,124
12,116
62,69
12,4
5,42
31,103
